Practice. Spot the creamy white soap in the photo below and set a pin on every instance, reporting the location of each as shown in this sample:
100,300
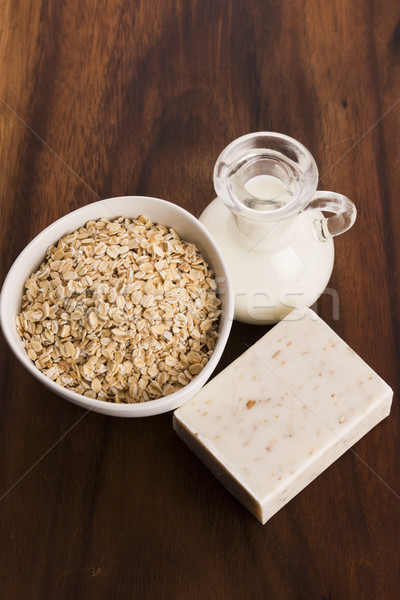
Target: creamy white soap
283,412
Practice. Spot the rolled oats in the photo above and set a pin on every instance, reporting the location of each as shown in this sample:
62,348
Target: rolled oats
122,311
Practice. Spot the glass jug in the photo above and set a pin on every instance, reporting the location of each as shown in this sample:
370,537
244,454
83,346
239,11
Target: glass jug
268,221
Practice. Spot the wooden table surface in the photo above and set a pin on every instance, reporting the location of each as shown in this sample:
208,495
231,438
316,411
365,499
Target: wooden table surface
107,98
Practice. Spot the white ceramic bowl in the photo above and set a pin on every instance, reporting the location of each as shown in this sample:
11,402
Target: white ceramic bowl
158,211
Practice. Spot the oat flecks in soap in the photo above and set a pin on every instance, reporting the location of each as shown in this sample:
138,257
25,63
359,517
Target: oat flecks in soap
283,412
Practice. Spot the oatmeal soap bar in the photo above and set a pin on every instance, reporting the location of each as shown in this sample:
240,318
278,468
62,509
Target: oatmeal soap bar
281,413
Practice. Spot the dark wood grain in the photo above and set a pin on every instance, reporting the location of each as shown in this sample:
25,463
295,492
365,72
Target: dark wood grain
105,98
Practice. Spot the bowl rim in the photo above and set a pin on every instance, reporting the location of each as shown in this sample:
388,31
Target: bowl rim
150,407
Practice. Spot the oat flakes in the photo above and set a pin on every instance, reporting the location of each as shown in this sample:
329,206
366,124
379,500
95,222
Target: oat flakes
122,311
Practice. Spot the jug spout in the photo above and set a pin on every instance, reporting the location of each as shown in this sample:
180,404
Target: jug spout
265,177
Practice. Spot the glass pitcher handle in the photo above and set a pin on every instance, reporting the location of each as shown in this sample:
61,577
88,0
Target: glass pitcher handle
345,214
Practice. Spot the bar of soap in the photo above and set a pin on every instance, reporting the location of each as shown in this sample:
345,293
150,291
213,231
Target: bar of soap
281,413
